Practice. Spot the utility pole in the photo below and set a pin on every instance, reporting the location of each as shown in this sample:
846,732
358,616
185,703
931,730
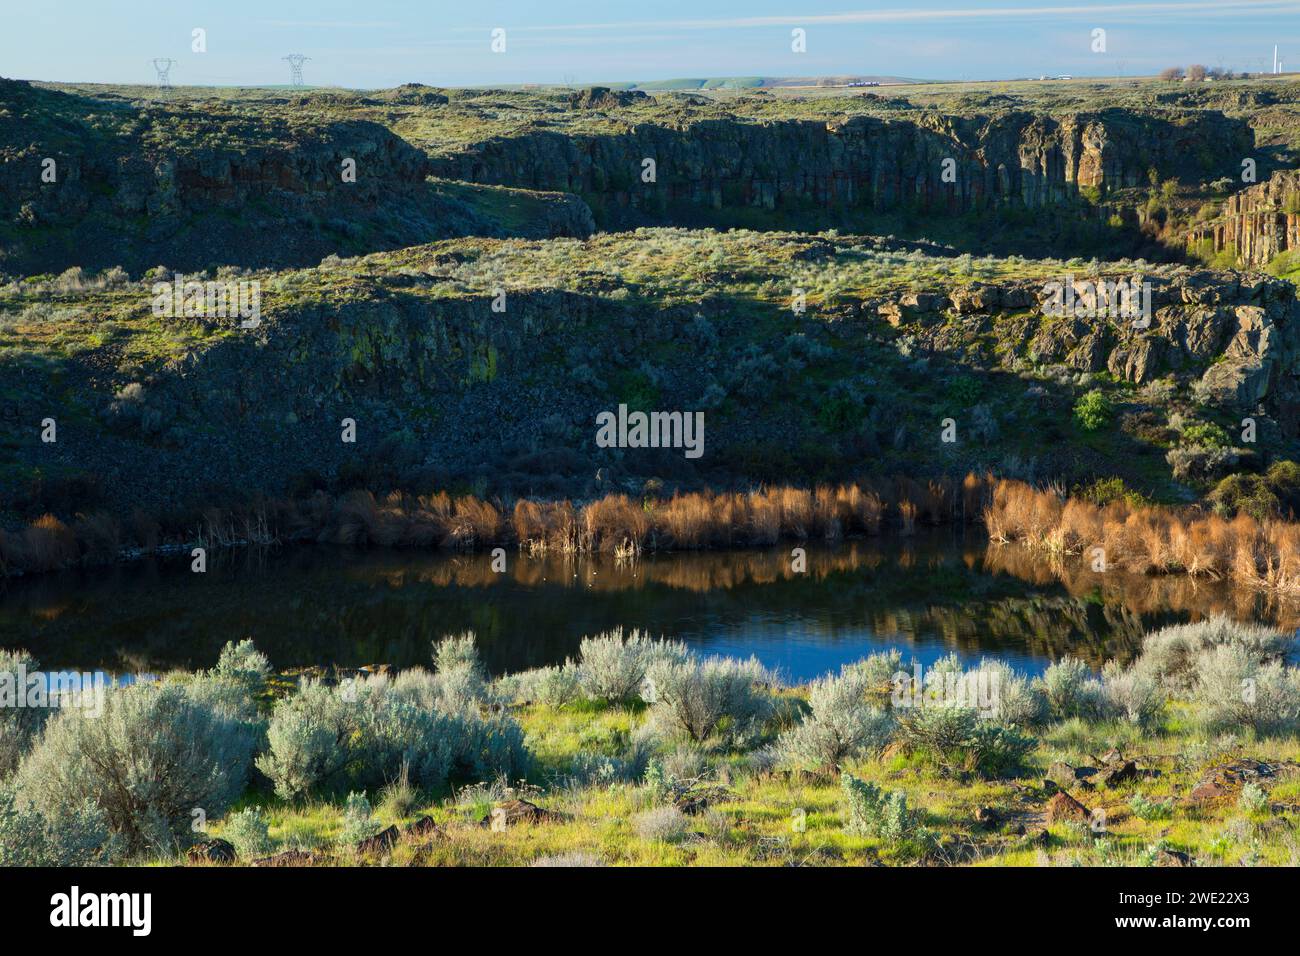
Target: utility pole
164,66
296,61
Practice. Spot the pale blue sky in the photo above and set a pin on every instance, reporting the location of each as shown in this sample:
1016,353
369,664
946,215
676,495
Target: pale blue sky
386,42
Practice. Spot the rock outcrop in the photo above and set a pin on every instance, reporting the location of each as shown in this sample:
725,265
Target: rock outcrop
1256,224
937,162
1236,338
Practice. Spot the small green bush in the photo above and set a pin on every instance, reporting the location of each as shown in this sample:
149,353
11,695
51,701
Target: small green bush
1093,411
249,833
1146,809
884,815
717,696
958,740
358,821
844,723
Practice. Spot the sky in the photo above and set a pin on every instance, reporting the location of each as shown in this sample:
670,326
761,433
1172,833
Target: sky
382,43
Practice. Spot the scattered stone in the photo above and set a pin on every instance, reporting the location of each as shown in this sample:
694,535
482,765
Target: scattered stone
1172,858
514,812
381,842
424,827
1224,781
1117,773
1065,807
213,851
988,816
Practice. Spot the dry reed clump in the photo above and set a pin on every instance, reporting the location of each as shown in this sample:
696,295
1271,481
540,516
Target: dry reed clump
1150,539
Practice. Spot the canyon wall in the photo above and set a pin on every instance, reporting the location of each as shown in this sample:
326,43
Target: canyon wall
1255,224
863,161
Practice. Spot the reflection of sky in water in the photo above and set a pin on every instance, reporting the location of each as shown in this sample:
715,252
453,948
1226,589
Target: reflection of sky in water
927,597
803,648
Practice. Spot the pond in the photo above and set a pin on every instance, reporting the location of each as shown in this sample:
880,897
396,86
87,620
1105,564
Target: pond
928,595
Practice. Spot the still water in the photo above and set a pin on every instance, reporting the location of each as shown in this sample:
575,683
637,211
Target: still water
928,595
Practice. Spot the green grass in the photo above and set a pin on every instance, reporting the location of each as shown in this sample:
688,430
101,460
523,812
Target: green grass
755,823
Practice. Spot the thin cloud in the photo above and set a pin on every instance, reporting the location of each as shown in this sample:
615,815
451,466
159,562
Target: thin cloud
1206,8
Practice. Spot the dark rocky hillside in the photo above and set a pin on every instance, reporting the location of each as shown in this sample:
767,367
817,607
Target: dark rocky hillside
456,305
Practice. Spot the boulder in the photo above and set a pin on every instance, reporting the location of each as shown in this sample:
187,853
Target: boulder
212,851
1064,807
514,812
924,301
424,827
988,816
1116,773
1172,858
1245,373
381,842
975,298
1139,361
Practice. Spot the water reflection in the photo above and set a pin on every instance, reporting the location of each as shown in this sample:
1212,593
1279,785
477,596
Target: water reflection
927,595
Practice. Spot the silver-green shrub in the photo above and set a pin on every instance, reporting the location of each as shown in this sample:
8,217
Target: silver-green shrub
557,686
958,740
363,732
358,822
1233,689
79,837
309,739
1006,696
1169,655
553,686
882,814
1131,695
19,726
877,673
454,653
844,722
147,762
243,664
459,682
612,667
716,696
249,833
1071,690
665,824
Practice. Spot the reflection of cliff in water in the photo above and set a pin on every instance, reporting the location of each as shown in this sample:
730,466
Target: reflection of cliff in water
930,594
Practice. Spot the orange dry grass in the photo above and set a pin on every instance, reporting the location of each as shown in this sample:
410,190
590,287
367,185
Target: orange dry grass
1152,540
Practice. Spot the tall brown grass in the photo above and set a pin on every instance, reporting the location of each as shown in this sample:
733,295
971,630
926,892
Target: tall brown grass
615,523
1148,539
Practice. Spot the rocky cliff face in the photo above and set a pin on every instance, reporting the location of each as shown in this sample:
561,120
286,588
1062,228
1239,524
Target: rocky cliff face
864,161
1234,339
1257,223
138,185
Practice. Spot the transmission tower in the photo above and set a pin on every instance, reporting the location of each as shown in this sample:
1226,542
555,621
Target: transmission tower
164,66
296,61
